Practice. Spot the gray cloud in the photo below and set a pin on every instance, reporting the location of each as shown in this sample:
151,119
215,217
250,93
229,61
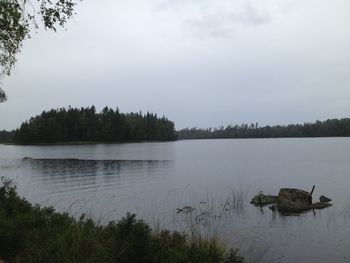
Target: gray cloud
214,25
215,19
251,16
223,24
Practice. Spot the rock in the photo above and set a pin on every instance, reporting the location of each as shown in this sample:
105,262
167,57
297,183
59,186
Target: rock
320,205
262,199
324,199
292,200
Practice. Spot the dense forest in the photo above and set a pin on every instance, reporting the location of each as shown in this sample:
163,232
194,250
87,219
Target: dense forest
85,125
6,136
328,128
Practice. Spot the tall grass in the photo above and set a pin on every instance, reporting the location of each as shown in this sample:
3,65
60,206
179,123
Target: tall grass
212,214
31,233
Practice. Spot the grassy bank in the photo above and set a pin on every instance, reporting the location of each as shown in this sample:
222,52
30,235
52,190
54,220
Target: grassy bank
30,233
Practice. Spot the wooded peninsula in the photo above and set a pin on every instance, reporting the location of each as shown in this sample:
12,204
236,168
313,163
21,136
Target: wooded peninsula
85,125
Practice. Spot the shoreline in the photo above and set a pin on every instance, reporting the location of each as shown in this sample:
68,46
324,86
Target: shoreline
80,143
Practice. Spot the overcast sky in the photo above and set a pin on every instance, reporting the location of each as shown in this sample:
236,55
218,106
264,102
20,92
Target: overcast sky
201,63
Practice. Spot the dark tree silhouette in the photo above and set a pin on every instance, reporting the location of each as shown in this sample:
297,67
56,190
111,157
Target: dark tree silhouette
328,128
85,125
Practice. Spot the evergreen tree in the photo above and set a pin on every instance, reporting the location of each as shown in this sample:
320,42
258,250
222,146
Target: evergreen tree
85,125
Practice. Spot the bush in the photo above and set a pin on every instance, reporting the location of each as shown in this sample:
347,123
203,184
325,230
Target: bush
40,234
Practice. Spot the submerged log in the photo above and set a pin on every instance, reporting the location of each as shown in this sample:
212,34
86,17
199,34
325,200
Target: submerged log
261,199
320,205
185,209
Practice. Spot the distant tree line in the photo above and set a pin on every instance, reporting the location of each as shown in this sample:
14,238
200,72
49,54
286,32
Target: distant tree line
85,125
6,136
328,128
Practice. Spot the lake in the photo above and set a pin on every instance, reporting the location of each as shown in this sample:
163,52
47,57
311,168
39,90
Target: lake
216,177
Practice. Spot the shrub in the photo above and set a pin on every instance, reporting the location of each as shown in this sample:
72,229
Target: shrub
30,233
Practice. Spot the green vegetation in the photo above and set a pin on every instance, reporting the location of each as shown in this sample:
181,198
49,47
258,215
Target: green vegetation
19,17
6,136
39,234
85,125
328,128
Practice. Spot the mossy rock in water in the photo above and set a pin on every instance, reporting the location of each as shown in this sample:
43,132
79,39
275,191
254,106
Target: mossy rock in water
292,200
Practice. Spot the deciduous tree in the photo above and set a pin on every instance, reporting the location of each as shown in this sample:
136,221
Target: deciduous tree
18,18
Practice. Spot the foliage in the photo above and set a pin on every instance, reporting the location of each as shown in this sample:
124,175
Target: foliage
6,136
85,125
328,128
3,96
39,234
18,18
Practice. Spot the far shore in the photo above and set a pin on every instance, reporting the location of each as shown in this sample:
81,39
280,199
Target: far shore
181,139
79,143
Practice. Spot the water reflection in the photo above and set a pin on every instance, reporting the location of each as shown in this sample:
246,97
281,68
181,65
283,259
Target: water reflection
91,167
64,175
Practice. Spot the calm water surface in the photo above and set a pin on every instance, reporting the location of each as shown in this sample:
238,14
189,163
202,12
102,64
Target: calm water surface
217,177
